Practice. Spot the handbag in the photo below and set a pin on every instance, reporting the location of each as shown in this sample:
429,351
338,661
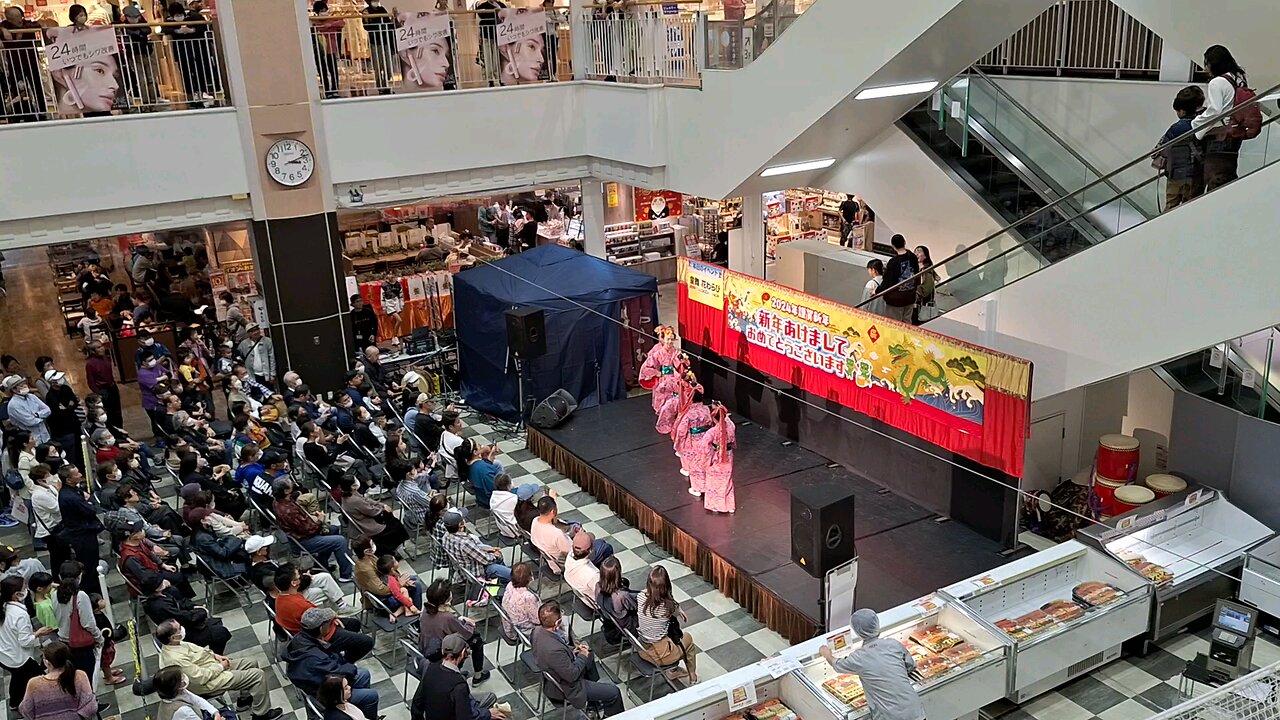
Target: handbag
674,632
80,638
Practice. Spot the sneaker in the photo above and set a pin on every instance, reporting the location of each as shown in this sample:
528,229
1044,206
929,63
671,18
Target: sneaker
482,602
480,678
244,703
7,522
346,580
694,493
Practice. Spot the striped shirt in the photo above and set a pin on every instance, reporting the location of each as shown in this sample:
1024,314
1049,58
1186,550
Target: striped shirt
653,624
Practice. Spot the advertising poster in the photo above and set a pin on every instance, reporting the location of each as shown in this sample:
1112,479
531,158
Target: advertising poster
967,399
85,69
658,204
424,43
522,45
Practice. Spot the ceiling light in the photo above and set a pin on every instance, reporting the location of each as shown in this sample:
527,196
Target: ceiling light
894,90
798,167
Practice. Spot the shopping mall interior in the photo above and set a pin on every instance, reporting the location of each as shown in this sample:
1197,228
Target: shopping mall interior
694,360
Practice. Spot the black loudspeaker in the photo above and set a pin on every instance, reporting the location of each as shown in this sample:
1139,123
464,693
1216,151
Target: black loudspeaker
821,527
553,411
526,332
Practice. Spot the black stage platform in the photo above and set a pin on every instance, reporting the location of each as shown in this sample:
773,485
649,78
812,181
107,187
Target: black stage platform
614,453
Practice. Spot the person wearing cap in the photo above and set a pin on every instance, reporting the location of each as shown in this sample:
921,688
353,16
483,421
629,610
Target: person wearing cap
885,668
466,551
161,601
354,387
443,693
310,657
572,665
310,530
555,542
13,564
64,418
581,575
316,585
141,559
209,673
26,410
259,355
504,500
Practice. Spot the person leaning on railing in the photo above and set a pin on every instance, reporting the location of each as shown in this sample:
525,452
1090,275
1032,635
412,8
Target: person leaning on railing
381,29
23,89
189,35
139,62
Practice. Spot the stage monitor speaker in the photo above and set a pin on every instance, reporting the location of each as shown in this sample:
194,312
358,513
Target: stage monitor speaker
821,527
553,411
526,332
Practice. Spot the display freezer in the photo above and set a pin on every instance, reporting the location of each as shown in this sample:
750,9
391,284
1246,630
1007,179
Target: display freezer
1260,581
1066,610
1190,545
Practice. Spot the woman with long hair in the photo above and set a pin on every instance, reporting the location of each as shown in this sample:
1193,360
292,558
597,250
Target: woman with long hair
19,644
370,517
63,692
928,283
334,696
74,611
463,455
659,617
1221,150
616,600
438,621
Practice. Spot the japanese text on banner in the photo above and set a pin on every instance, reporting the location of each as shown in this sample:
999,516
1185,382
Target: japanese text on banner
69,49
519,25
706,284
421,28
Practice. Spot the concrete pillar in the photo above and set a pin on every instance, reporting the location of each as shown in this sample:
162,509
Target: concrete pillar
578,37
746,246
593,217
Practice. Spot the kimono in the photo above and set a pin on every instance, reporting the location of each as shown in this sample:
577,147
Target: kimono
695,453
675,394
661,361
719,444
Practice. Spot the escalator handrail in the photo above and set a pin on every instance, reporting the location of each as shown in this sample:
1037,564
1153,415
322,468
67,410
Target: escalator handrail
1145,157
1044,128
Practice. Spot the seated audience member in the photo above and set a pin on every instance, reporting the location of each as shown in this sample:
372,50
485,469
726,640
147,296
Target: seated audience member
201,513
291,605
177,702
310,657
504,500
141,559
443,693
656,610
224,555
310,529
373,579
371,518
573,666
161,602
521,604
616,601
581,575
315,584
555,540
334,698
466,551
438,621
128,512
211,674
413,490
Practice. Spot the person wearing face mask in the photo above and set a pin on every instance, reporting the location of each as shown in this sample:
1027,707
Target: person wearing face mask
209,673
19,643
151,376
26,410
48,518
100,375
342,417
371,518
149,348
64,416
362,433
177,702
259,355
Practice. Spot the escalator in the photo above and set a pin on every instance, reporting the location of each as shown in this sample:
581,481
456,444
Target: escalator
1174,283
1226,374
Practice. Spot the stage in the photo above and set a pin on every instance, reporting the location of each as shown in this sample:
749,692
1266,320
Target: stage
613,452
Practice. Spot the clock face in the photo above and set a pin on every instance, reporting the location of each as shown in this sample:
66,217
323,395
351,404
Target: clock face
290,162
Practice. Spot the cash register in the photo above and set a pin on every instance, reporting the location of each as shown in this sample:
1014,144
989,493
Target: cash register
1231,638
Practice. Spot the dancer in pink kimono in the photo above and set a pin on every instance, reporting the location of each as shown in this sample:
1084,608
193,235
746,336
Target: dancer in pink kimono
719,443
663,368
695,455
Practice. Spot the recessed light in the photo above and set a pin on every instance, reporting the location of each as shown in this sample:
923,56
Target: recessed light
798,167
895,90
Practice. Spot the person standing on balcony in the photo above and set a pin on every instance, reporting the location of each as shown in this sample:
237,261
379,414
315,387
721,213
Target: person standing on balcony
326,39
19,38
487,18
139,61
382,48
191,48
1221,150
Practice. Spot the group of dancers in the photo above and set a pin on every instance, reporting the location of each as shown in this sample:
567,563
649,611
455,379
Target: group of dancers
703,435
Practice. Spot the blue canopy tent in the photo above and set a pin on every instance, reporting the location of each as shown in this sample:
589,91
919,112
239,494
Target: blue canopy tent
582,298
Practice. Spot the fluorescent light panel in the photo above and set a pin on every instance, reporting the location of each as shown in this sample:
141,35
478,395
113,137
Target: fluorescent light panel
895,90
798,167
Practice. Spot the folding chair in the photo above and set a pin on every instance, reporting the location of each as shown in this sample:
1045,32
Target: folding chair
562,704
584,609
474,581
279,633
414,664
135,604
621,646
373,616
648,669
212,579
313,708
512,640
545,571
509,536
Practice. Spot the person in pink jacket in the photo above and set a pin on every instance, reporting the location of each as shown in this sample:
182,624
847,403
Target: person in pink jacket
719,445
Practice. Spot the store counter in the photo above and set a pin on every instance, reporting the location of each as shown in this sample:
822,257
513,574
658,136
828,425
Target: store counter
124,348
1188,547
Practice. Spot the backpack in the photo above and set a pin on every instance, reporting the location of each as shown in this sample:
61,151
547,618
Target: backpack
1245,124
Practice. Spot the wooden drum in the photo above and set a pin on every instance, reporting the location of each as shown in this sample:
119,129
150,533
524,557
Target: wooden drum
1163,485
1130,497
1118,457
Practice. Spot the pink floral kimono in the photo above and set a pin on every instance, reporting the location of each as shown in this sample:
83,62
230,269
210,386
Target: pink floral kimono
694,453
719,444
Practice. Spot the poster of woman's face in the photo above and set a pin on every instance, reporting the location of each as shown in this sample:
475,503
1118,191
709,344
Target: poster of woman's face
91,86
428,66
522,42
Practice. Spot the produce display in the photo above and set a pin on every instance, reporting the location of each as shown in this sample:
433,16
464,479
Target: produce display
767,710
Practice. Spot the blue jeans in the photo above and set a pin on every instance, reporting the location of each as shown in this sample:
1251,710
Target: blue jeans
362,696
600,551
415,594
499,571
323,546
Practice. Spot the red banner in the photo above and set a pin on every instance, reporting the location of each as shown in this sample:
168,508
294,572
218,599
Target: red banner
966,399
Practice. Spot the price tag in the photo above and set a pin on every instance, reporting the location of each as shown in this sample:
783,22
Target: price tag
1193,498
741,696
984,581
1216,357
839,642
1127,523
780,666
927,604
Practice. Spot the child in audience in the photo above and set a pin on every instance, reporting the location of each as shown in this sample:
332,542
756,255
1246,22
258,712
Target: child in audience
110,675
404,590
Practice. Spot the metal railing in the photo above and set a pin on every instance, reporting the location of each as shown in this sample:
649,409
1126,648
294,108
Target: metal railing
131,69
360,55
1093,38
732,44
646,44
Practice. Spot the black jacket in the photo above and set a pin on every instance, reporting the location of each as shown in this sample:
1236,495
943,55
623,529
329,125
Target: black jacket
309,660
170,605
445,692
63,420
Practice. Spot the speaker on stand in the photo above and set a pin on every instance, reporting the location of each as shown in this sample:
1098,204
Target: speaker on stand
526,340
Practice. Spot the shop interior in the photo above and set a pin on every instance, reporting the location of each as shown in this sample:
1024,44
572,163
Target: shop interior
647,229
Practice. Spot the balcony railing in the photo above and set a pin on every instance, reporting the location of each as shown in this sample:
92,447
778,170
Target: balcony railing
55,73
647,43
359,55
1090,38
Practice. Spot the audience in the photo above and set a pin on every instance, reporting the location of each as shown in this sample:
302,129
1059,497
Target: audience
466,551
521,604
209,673
162,602
504,500
381,578
334,697
573,666
310,530
616,601
311,657
443,693
140,560
438,621
369,517
655,610
315,584
63,692
72,607
581,575
177,702
555,539
19,643
291,605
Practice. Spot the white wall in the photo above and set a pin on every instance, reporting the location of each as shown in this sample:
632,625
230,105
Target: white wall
95,164
1178,283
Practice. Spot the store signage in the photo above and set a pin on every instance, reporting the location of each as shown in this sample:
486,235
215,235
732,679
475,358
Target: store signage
706,284
611,194
670,9
69,48
781,665
522,44
741,696
657,204
839,642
